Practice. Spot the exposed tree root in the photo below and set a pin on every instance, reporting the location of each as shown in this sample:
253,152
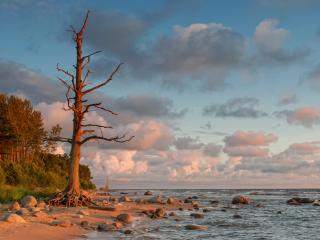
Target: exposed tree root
70,199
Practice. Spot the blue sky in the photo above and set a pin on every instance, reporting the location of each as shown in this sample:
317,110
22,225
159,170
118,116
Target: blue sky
204,71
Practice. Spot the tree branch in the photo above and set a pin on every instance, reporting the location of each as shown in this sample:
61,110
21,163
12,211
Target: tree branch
118,139
66,72
105,82
97,105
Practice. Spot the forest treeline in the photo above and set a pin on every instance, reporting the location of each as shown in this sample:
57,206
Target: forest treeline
27,162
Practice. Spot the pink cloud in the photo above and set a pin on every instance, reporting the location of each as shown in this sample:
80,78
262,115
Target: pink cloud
306,148
242,138
246,151
306,116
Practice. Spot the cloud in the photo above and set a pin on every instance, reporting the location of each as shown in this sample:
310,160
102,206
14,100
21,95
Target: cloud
269,40
212,150
246,151
147,106
236,107
305,116
242,138
288,98
306,148
187,143
36,86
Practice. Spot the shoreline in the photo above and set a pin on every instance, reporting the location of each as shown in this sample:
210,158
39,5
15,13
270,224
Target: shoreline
75,223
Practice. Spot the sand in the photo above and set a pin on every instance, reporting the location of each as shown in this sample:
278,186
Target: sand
41,227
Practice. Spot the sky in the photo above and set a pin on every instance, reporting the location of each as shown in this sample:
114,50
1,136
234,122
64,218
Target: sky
218,94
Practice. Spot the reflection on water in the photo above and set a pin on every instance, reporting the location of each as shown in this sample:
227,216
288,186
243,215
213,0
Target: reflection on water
275,220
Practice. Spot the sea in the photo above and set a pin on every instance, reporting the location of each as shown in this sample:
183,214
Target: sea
272,219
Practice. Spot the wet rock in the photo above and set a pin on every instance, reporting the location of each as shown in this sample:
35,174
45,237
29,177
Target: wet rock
196,227
117,225
279,212
241,199
197,215
14,206
172,214
124,199
84,224
260,205
237,216
127,232
156,199
14,218
148,193
125,218
160,212
171,200
316,203
103,227
149,212
195,205
84,212
223,210
299,201
140,201
22,212
29,201
214,201
194,197
180,209
206,210
188,200
61,223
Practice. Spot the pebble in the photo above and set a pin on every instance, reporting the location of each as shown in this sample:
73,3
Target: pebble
196,227
125,218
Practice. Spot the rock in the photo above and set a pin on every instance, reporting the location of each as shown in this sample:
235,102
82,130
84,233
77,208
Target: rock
206,210
148,193
214,201
316,203
125,218
197,215
279,212
156,199
195,197
171,200
42,205
22,212
196,227
14,218
14,206
236,216
117,225
140,201
149,212
188,200
223,210
180,209
103,227
61,223
84,212
29,201
260,205
40,215
34,209
160,212
124,199
128,231
241,199
195,205
84,224
297,201
172,214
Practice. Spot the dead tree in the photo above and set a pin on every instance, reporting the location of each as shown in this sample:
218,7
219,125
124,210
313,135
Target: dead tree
77,88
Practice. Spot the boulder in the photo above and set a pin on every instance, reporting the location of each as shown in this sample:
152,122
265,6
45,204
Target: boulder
156,199
14,218
298,201
148,193
22,212
236,216
117,225
160,212
34,209
14,206
140,201
84,212
125,218
188,200
196,227
171,200
124,199
103,227
206,210
61,223
241,199
214,201
41,205
128,231
197,215
29,201
172,214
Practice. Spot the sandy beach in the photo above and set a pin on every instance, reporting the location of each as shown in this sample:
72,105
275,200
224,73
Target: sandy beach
74,223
